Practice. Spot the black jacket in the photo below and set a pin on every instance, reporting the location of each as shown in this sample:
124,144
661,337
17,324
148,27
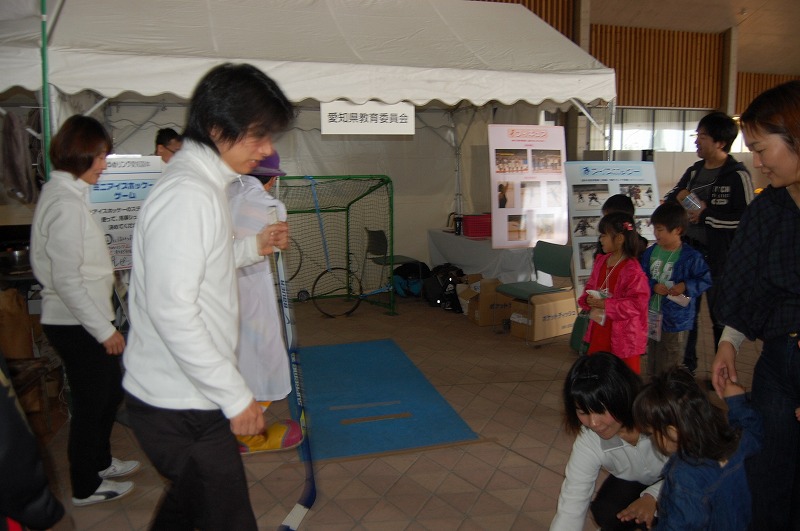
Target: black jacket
727,199
760,293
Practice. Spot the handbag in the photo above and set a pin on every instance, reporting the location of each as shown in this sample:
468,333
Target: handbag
576,341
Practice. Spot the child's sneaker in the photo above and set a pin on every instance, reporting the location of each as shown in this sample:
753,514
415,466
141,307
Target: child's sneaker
107,491
283,435
118,468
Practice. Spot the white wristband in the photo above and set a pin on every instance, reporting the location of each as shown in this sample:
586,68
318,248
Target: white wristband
732,336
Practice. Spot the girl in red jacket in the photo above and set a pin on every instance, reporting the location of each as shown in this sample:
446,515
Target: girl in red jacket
616,293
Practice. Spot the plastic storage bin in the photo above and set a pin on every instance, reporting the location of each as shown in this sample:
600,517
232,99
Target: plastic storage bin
478,225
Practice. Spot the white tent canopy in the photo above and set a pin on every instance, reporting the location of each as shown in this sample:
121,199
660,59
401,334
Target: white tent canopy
389,50
499,59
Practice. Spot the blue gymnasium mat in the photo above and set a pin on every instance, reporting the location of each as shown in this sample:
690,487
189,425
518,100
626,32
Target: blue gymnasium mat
369,398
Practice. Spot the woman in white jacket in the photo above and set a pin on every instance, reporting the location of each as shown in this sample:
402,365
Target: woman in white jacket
72,263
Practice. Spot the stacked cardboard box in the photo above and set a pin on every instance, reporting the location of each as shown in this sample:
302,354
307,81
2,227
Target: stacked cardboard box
551,315
482,304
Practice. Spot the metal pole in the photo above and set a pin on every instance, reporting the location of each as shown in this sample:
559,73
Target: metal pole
45,96
612,106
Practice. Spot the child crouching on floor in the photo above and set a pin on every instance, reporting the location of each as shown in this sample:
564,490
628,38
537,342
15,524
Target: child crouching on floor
705,486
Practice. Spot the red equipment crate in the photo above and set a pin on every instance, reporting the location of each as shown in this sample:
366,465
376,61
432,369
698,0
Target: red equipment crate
478,225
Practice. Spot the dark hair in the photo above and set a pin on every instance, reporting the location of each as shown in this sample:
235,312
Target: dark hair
264,179
618,203
166,135
79,140
622,223
672,215
720,127
673,398
235,101
599,383
776,111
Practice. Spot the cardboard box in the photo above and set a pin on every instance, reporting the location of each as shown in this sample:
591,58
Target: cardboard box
553,315
487,307
473,280
460,289
468,290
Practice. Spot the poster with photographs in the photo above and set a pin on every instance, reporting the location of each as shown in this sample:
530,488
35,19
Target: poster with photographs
589,186
529,187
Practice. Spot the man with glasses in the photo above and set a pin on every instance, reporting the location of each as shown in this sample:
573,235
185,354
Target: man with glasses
715,191
168,142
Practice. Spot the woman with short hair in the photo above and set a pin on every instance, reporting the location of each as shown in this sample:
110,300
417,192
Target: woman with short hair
71,261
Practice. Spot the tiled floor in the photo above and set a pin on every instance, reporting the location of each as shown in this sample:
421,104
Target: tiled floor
508,392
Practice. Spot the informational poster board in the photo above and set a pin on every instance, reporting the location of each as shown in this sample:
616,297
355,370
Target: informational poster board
590,185
529,190
115,200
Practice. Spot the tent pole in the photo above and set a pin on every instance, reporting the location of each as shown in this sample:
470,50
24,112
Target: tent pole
30,131
582,108
459,199
45,96
457,148
612,107
99,104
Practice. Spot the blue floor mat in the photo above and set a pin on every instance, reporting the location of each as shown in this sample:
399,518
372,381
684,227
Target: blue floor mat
369,398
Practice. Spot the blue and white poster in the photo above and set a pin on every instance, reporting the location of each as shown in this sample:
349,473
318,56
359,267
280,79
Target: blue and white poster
590,184
115,200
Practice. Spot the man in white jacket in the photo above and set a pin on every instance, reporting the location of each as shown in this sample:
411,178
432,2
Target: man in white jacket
185,396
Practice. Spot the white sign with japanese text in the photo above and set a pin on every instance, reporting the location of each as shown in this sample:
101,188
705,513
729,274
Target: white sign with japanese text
529,188
370,118
115,200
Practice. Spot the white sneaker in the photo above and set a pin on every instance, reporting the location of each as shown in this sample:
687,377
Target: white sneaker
107,491
118,468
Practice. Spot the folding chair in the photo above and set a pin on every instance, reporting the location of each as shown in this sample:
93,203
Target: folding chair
550,258
378,253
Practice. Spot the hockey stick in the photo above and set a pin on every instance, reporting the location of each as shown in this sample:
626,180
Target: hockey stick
309,494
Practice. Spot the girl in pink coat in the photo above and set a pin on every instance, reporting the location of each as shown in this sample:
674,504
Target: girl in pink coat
617,293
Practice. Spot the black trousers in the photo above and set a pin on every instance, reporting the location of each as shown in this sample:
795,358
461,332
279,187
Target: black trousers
197,452
690,354
614,495
95,382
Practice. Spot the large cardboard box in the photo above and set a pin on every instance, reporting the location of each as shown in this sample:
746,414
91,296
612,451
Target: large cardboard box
472,279
553,316
461,289
486,307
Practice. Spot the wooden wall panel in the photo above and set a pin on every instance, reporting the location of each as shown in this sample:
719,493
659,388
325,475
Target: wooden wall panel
750,85
557,13
660,68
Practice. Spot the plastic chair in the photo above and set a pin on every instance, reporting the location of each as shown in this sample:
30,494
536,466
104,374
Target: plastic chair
378,252
550,258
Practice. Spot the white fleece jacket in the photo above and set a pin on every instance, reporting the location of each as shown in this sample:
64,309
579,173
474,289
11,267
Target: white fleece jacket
183,297
70,258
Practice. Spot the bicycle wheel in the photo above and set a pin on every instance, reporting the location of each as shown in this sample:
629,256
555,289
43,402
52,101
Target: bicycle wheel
292,259
336,292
